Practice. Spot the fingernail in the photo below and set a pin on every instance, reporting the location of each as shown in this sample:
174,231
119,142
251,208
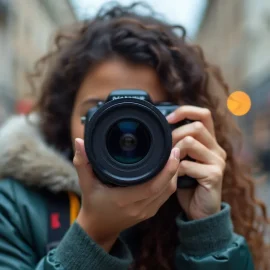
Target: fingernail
77,146
171,116
176,153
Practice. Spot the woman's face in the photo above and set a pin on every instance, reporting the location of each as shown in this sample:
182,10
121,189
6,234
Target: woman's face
108,76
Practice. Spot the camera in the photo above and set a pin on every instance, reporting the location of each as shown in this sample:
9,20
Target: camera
128,139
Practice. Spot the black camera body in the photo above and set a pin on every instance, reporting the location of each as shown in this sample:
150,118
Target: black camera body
128,139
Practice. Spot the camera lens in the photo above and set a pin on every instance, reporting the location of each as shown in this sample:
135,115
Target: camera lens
128,141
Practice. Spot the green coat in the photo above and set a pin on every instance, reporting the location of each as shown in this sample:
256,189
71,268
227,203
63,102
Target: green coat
205,244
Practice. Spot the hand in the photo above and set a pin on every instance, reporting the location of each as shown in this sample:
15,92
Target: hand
198,141
108,211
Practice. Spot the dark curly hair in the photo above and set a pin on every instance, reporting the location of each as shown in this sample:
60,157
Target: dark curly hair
186,76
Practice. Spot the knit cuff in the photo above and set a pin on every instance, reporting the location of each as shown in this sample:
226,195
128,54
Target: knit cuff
78,251
207,235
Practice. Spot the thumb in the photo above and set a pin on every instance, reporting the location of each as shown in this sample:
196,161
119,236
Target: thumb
81,163
80,157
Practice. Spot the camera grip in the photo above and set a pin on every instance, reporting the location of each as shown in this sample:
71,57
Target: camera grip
186,182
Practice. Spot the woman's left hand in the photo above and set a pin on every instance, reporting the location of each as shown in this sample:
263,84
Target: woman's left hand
198,141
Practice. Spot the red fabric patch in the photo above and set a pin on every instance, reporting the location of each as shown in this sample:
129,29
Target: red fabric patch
55,221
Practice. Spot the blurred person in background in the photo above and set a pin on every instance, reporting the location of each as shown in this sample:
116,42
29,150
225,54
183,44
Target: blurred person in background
217,225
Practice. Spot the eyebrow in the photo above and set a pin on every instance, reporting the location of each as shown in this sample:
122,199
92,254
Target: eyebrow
91,100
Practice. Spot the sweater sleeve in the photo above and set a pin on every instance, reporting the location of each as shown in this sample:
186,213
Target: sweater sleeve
78,251
210,243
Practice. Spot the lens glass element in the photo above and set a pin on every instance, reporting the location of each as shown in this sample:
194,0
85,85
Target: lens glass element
128,141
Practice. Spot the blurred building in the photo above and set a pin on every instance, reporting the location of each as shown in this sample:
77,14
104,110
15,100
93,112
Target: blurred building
235,34
26,28
6,97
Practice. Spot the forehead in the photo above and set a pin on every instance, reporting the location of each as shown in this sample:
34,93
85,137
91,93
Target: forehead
119,74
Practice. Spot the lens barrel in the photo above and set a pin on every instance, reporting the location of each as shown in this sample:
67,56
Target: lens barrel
128,141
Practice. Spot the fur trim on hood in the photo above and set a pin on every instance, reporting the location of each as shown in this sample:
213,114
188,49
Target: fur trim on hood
25,156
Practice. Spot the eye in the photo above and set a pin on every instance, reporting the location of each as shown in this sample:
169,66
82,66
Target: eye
89,104
85,108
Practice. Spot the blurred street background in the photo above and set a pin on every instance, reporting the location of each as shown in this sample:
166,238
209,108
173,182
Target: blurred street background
235,34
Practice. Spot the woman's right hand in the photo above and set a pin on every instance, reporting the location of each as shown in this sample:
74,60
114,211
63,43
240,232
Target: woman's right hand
107,211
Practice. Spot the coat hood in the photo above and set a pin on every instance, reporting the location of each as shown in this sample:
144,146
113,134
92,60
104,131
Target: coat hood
26,157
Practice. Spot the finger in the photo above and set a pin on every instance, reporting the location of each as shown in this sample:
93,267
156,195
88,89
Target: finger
151,188
172,185
196,150
206,175
184,196
199,132
193,113
152,208
180,171
80,157
80,161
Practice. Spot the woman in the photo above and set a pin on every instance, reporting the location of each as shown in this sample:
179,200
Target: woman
148,226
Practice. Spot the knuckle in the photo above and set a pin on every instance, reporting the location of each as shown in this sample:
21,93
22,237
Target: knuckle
198,126
188,141
224,154
206,112
223,165
76,162
216,173
222,162
183,164
134,213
